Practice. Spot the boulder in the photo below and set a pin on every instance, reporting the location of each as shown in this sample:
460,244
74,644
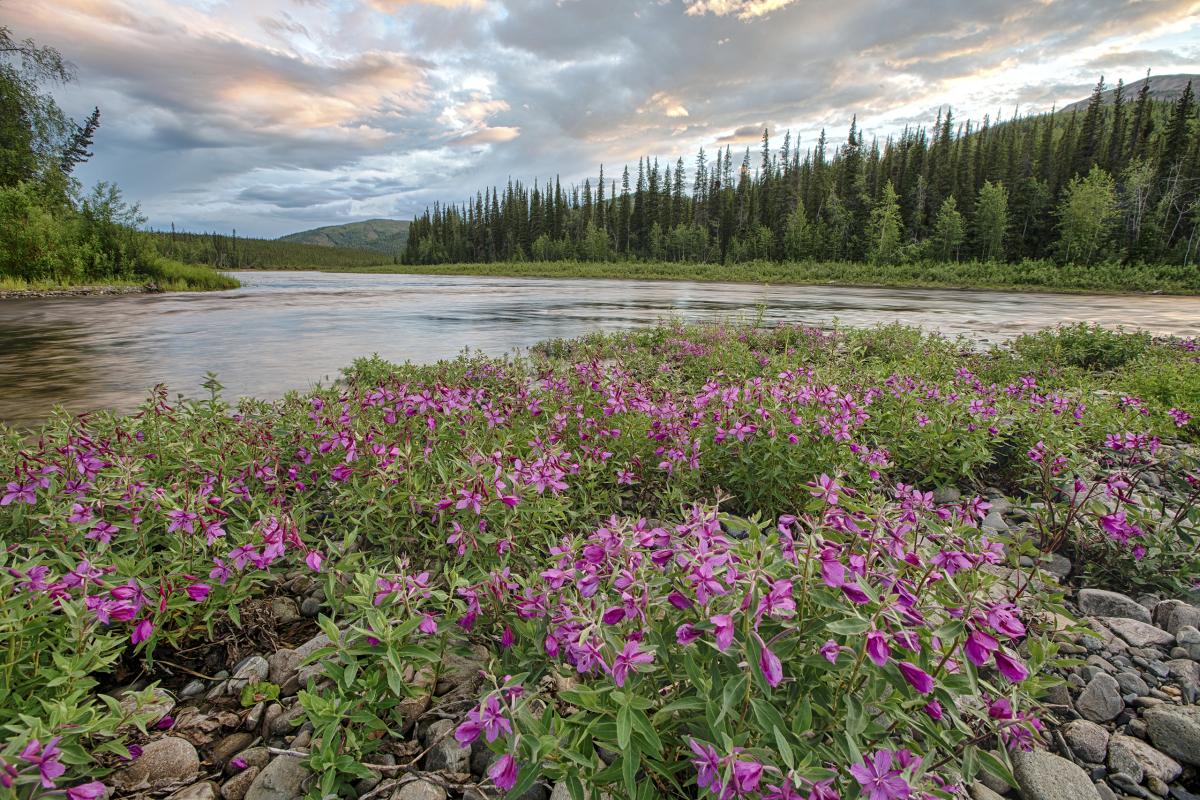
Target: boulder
1086,739
197,791
1138,634
1175,730
1100,700
1045,776
445,753
236,787
1101,603
1149,762
1181,615
420,790
283,779
164,763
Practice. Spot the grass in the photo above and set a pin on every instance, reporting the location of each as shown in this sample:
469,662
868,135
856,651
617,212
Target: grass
164,274
1030,276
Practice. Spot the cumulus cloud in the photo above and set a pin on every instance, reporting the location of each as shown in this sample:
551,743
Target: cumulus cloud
271,115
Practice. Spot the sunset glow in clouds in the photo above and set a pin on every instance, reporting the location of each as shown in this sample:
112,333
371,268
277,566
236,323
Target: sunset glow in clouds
278,115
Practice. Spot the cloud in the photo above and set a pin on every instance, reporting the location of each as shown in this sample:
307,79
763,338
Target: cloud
271,115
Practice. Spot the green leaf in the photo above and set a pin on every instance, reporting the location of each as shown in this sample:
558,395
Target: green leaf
624,726
784,748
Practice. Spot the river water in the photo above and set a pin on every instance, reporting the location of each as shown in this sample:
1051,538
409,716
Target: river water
287,330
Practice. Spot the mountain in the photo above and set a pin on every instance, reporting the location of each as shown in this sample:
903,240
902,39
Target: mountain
380,235
1165,88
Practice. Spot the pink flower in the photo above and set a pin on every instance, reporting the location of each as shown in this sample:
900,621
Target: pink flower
723,630
142,631
918,678
428,625
45,759
314,560
877,648
198,592
707,763
1010,667
830,650
686,633
17,492
628,660
504,772
87,791
826,488
238,763
771,666
879,781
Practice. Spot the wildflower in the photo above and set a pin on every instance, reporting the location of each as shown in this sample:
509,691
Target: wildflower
628,660
745,779
314,560
686,633
87,791
771,666
428,625
1181,417
826,488
918,678
45,759
18,492
708,764
979,647
238,763
142,631
723,630
504,772
1010,667
198,592
934,709
488,719
878,779
830,650
877,648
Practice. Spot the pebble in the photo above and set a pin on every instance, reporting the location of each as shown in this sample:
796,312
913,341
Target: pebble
1086,739
445,753
163,763
1100,700
420,790
1176,731
236,787
282,779
1045,776
1138,634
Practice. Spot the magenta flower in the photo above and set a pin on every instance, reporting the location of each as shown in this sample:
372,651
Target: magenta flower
16,492
826,488
504,772
918,678
314,560
877,648
428,625
934,709
142,631
830,650
979,647
198,592
87,791
628,660
488,719
1010,667
879,781
686,633
723,630
238,763
771,666
707,762
45,759
746,776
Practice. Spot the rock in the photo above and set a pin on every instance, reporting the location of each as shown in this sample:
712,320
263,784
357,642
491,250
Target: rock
287,721
364,785
1057,565
1186,634
1045,776
1122,760
1126,784
946,494
164,763
255,715
462,672
1181,615
236,787
282,779
445,753
1086,739
420,790
1138,634
1105,792
254,669
1175,731
1150,762
257,757
1100,700
994,522
1101,603
283,665
310,607
274,711
228,747
977,790
1132,683
197,791
1187,673
194,688
284,610
313,645
1158,786
157,704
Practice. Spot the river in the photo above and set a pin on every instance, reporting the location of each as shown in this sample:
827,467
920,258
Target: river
287,330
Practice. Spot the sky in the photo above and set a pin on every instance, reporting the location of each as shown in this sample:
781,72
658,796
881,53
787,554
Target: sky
272,116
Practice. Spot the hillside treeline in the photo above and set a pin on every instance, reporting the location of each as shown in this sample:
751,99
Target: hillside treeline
1114,182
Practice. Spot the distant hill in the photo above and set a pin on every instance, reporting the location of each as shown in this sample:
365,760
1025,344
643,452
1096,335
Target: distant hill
380,235
1164,88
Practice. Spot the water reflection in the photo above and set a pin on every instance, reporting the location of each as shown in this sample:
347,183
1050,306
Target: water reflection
285,330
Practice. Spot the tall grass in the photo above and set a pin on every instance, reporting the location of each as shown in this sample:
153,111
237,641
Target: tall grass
172,276
1043,276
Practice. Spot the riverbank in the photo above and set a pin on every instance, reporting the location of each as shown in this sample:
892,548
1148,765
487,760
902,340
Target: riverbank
778,553
160,275
1028,276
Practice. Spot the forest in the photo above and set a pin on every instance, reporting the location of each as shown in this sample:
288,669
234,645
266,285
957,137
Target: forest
1115,182
233,252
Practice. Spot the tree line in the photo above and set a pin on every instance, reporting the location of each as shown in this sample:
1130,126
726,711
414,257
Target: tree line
1116,181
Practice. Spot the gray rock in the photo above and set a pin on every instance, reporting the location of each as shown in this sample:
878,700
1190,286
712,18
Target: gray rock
283,665
1187,673
977,790
364,785
287,721
283,779
1158,786
1100,700
1181,615
1138,634
257,757
255,715
236,787
1045,776
1186,634
420,790
164,763
445,753
1122,760
1126,784
1175,730
254,669
1105,792
1150,762
1162,611
1132,683
284,610
994,522
157,704
1057,565
194,688
946,494
310,607
313,645
228,747
197,791
1086,739
1101,603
